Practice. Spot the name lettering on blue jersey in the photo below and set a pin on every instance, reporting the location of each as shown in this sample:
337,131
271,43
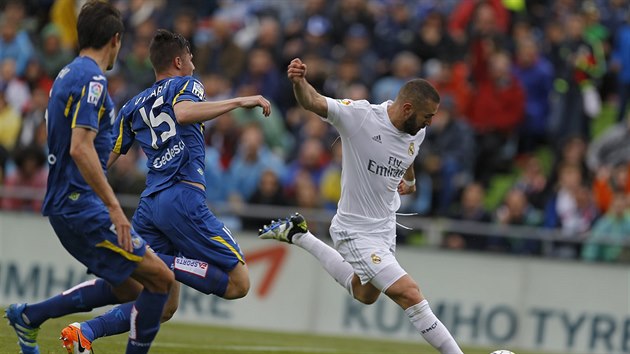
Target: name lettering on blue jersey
156,92
62,73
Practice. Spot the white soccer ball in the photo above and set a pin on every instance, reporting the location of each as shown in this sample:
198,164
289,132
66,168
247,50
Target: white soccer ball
502,351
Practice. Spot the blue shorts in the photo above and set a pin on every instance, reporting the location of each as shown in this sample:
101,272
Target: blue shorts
89,236
176,221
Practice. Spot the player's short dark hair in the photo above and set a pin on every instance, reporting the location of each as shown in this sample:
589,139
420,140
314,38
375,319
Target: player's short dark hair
98,22
418,91
165,47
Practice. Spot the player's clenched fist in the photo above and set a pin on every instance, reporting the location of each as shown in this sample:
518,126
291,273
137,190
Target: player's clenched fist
296,70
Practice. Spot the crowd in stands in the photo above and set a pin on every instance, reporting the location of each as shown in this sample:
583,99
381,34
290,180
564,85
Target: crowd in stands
522,82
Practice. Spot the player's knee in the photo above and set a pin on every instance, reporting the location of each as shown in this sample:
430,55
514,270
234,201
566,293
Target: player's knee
366,298
237,289
161,281
168,312
410,296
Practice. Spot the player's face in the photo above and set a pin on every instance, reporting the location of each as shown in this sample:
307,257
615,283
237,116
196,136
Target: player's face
420,118
114,52
187,65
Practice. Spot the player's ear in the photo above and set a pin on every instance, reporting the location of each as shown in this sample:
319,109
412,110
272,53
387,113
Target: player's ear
116,39
178,62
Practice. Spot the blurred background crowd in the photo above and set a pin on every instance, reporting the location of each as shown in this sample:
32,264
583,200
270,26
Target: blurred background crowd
532,130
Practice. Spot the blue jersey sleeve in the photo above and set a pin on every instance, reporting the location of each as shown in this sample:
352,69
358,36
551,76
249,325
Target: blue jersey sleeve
123,134
91,105
191,90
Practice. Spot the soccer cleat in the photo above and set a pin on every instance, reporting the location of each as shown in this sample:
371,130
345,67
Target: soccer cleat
74,341
27,335
284,229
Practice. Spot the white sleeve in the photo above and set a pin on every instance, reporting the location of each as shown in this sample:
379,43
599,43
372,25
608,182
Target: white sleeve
347,115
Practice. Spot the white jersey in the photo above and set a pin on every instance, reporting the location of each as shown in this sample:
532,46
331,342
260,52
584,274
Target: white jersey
376,155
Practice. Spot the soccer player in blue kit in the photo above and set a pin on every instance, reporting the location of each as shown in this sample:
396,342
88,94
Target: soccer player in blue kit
173,217
80,204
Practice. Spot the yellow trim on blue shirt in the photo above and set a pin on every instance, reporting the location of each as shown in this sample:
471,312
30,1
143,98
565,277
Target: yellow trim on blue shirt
180,92
76,110
68,105
101,111
112,247
119,139
220,240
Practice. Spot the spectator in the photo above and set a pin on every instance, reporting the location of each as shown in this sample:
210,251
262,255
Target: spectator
516,210
347,13
250,161
533,182
11,123
498,110
33,129
576,72
448,155
573,152
16,91
621,63
405,67
52,54
394,29
14,43
575,223
357,44
536,75
268,192
28,181
611,181
432,41
330,185
613,227
137,66
312,160
221,55
470,209
261,75
451,78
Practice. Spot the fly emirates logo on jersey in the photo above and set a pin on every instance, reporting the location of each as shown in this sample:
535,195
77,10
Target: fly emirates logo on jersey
393,168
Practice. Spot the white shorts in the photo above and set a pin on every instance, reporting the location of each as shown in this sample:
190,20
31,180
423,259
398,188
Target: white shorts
371,255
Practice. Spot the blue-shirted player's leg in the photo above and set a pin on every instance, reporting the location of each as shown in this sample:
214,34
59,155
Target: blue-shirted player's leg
210,257
27,318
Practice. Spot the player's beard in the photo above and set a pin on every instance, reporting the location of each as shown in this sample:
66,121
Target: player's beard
411,126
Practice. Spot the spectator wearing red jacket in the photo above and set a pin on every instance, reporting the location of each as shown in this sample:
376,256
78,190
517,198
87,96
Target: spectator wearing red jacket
496,111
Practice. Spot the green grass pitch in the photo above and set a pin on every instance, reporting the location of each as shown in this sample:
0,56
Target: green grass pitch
176,338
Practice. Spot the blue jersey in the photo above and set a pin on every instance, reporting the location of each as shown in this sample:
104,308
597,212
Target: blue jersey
78,98
175,152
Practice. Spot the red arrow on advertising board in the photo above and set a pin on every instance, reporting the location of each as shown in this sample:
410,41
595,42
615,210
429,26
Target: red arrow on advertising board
275,256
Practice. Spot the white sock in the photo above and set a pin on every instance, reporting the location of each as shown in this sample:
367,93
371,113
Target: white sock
328,257
432,330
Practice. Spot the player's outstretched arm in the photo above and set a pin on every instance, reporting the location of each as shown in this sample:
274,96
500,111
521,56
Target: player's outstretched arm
84,155
305,93
189,112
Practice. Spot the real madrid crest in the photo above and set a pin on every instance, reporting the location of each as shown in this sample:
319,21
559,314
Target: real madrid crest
412,149
375,259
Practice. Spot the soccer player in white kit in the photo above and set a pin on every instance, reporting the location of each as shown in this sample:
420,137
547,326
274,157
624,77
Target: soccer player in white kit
379,144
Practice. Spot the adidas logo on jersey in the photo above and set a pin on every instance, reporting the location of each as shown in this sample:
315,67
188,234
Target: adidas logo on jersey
377,138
